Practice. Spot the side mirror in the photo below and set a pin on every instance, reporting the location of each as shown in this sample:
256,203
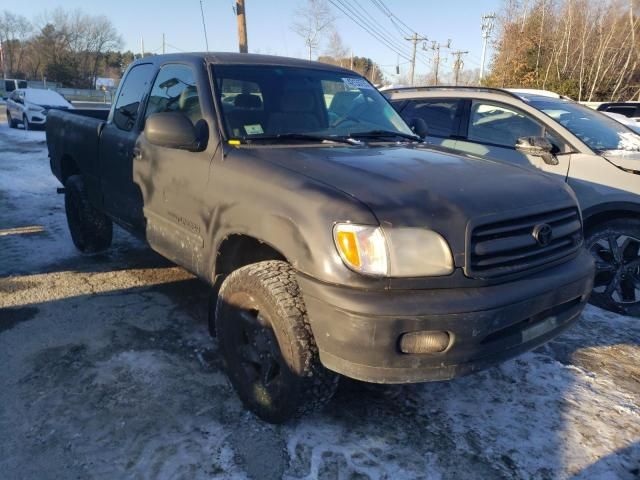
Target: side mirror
537,147
419,127
171,130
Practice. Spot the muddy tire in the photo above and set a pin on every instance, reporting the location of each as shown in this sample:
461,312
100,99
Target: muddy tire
615,246
267,345
10,120
91,230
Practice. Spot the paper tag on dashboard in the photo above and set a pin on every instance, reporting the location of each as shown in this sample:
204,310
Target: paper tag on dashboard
355,82
255,129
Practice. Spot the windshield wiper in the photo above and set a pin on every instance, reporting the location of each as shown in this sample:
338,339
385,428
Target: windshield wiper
385,133
307,136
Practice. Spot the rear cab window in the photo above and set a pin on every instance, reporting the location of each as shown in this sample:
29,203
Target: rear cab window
130,95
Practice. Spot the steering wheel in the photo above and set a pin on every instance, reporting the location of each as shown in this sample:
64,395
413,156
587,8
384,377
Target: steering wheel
346,119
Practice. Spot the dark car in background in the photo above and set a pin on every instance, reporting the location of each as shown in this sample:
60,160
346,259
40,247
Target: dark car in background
628,109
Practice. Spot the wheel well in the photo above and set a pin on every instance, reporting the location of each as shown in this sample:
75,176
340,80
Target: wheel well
606,216
68,167
237,250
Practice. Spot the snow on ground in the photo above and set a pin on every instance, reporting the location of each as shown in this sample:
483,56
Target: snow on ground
108,372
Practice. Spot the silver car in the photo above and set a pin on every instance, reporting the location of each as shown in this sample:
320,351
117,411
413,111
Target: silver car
29,106
597,156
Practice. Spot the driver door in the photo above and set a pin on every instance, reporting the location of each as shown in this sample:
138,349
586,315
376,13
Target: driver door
491,130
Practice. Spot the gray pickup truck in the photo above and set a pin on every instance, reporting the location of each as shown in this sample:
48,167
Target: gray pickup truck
334,241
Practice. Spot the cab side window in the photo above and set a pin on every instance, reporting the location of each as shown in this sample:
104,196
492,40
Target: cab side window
440,114
130,95
175,91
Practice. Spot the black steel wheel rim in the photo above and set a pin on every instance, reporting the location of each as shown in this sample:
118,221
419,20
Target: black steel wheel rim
617,258
258,353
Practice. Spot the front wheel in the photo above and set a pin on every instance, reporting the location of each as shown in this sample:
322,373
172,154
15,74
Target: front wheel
10,121
267,345
615,246
25,123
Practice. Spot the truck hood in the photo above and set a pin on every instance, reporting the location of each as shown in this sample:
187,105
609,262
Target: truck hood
423,187
625,159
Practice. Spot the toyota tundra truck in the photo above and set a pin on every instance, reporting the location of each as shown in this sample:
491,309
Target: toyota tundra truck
335,242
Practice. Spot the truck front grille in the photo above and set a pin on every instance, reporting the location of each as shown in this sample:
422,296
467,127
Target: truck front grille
509,246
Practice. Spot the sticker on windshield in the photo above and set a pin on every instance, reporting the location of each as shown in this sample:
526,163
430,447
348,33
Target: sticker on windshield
355,82
255,129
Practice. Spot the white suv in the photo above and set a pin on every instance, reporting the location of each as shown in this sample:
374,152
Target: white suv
597,156
29,106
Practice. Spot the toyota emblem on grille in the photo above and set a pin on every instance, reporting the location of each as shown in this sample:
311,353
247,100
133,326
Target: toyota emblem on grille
542,233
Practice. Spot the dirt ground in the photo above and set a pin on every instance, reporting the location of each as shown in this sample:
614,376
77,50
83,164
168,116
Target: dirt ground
108,372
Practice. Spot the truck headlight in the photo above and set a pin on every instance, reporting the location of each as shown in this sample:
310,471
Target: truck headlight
393,252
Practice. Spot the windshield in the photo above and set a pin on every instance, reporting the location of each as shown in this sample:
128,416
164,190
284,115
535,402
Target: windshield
268,101
594,128
45,97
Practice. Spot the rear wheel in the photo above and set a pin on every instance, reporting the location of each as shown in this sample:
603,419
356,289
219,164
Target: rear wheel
91,230
615,246
267,345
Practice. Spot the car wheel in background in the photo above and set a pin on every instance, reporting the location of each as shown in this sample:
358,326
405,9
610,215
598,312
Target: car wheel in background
615,246
10,121
267,345
91,230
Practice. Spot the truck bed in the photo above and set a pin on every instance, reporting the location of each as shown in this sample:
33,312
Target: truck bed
74,134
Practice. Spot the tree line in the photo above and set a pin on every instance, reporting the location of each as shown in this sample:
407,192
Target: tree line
588,50
71,48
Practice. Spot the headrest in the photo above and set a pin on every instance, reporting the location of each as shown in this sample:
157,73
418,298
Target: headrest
342,102
247,100
297,101
188,93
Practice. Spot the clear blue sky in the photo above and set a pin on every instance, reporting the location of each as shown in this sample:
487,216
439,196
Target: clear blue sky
269,25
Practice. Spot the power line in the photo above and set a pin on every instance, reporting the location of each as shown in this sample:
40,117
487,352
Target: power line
375,35
204,26
370,27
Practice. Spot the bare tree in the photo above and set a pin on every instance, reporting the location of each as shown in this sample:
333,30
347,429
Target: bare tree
314,18
336,49
14,30
587,49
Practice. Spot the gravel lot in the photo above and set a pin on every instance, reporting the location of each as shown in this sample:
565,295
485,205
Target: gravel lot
108,372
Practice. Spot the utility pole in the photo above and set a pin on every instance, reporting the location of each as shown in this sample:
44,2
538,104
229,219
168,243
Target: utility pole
141,46
204,26
242,26
487,28
3,61
414,39
163,44
435,46
458,63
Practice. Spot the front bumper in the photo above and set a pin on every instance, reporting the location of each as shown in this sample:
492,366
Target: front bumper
358,331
